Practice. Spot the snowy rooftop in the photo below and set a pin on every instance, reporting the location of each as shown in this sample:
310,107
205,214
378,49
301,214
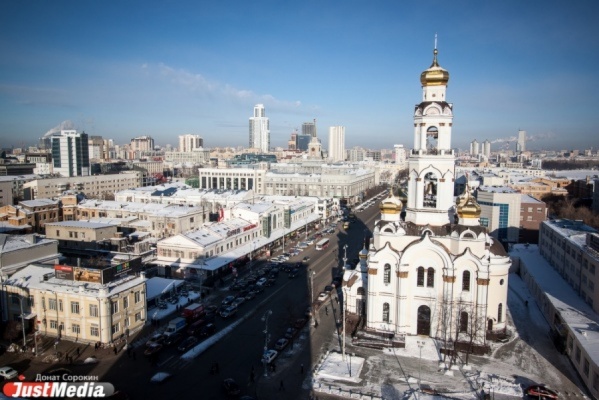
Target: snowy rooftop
17,242
578,315
146,208
497,189
156,286
80,224
529,199
568,228
39,203
32,276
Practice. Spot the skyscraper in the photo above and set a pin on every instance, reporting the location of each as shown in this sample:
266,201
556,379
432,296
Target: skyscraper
337,143
259,129
309,128
70,153
521,144
190,142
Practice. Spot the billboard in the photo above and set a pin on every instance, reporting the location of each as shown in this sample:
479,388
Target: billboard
63,272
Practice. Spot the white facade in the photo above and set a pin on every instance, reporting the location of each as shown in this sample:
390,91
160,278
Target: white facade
70,154
437,272
259,129
337,143
189,143
521,144
401,155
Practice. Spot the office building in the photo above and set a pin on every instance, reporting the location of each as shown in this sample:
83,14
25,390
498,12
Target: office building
188,143
309,128
70,154
521,144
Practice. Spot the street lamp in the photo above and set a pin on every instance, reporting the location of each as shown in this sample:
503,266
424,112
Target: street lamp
420,346
265,319
311,276
251,252
346,291
306,227
20,298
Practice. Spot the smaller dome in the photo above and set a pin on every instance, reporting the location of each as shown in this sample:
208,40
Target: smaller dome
434,75
391,205
363,253
466,205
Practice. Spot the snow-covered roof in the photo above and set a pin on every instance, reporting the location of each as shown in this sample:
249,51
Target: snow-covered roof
80,224
497,189
582,321
34,277
39,203
156,286
19,242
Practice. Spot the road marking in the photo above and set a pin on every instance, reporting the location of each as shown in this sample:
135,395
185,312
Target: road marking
165,361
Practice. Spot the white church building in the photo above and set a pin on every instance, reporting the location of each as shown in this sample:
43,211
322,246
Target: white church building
431,269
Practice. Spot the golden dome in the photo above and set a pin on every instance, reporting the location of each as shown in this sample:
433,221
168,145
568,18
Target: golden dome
467,206
435,75
391,205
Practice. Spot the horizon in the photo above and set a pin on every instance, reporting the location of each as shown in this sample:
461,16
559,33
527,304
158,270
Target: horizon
201,68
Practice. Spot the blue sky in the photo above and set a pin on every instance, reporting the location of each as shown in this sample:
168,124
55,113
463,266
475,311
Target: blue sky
130,68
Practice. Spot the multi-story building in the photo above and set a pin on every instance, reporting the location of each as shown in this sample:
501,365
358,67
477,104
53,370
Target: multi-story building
303,141
401,155
521,143
18,251
70,154
474,148
43,163
188,143
500,212
259,129
43,210
81,236
98,186
337,143
532,213
433,271
309,128
75,303
14,219
6,194
197,156
142,144
232,179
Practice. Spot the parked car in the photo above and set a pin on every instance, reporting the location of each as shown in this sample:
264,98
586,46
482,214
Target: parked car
281,344
306,259
238,301
261,282
231,387
290,333
269,356
188,343
8,372
328,289
322,296
293,273
250,295
228,300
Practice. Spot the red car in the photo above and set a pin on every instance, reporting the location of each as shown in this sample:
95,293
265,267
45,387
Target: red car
541,391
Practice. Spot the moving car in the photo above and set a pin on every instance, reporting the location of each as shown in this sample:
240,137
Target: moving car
228,312
152,349
207,330
155,339
187,344
228,300
173,339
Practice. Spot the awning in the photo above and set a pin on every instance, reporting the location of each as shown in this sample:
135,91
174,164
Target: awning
29,316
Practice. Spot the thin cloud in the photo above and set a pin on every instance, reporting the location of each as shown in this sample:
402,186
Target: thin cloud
200,85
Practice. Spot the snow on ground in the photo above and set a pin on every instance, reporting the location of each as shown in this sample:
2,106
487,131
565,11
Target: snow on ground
393,373
335,367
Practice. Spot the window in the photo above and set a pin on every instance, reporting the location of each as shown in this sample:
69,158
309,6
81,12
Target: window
60,305
361,291
53,324
577,354
430,277
75,307
31,301
115,307
387,274
420,277
93,310
94,330
595,381
466,281
386,312
76,328
52,304
585,368
125,302
499,312
116,328
137,297
138,316
463,321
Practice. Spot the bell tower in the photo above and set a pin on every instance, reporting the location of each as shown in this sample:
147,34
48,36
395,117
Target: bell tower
431,163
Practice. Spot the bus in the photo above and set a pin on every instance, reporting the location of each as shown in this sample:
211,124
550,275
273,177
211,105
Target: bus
323,244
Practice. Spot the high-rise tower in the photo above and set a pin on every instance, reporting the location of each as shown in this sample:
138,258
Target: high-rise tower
70,153
431,162
337,143
259,129
521,144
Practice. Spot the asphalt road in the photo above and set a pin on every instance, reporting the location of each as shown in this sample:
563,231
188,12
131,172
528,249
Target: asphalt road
240,352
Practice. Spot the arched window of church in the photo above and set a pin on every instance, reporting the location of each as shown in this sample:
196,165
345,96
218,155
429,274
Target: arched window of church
463,321
361,291
387,274
430,190
499,312
420,277
466,281
385,312
430,277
